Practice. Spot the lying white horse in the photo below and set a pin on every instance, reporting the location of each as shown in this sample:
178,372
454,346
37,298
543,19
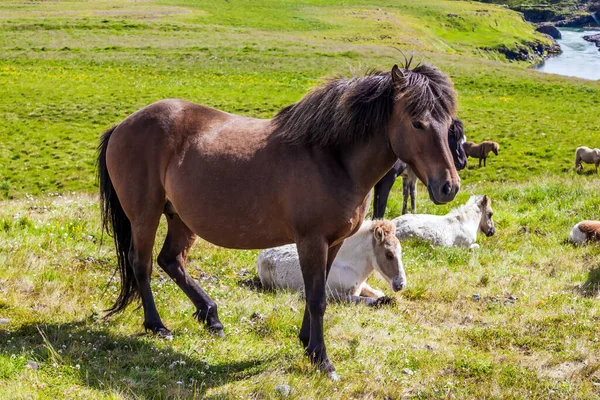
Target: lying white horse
374,246
586,231
457,228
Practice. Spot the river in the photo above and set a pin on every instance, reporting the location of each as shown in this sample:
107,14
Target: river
580,58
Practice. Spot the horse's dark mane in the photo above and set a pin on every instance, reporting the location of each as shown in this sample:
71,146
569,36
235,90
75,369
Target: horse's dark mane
457,129
344,112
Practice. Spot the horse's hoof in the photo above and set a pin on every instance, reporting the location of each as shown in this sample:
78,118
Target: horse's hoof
333,376
218,333
163,333
383,301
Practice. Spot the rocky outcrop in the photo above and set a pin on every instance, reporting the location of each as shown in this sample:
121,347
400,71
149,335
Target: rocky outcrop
594,39
577,21
549,30
533,52
565,13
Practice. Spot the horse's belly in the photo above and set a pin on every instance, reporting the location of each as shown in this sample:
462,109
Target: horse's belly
232,213
229,228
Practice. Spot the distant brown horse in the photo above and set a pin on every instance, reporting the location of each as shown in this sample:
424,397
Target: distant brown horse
481,151
244,183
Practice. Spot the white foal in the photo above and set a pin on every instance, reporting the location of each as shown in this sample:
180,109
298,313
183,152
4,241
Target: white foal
373,247
457,228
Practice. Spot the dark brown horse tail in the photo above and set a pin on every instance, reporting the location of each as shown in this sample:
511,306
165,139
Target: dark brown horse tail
117,225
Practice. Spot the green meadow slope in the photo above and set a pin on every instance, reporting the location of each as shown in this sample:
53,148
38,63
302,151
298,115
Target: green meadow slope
69,70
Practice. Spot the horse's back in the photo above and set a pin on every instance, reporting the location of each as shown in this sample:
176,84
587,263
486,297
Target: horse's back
587,154
590,227
585,231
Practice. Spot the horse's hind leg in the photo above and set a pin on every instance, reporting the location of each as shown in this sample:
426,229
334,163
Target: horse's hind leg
143,231
405,194
382,192
413,195
480,162
172,260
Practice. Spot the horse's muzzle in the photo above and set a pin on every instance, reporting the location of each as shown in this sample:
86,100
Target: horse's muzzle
398,284
442,193
491,232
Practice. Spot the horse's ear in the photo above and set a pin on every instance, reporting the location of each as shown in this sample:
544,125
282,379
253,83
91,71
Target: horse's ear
379,234
398,76
485,201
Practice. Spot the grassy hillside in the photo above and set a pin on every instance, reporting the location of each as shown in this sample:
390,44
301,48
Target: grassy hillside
69,70
87,65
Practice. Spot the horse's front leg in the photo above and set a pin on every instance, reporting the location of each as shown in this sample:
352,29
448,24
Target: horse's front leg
315,261
480,162
368,291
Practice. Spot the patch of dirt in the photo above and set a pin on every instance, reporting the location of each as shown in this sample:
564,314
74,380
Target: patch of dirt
563,371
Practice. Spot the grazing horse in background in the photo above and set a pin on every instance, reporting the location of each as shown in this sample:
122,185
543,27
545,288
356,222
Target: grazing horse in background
302,177
373,247
587,155
481,151
586,231
409,189
456,138
457,228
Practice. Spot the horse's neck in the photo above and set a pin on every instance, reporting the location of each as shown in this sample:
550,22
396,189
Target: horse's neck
357,251
369,162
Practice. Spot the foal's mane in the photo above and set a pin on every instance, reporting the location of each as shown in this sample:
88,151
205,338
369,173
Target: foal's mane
465,210
347,111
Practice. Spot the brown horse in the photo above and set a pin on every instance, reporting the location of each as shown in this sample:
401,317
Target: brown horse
244,183
481,150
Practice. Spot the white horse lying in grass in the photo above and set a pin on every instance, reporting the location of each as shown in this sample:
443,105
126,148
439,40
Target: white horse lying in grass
457,228
373,247
586,231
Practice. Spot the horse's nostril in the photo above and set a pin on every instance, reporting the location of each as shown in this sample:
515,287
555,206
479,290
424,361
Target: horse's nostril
398,284
447,189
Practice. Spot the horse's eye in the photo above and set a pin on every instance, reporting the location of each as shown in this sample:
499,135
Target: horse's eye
418,125
389,256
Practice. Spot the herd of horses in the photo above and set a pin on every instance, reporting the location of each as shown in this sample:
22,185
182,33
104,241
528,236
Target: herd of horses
303,177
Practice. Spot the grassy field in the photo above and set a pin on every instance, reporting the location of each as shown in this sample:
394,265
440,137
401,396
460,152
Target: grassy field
69,70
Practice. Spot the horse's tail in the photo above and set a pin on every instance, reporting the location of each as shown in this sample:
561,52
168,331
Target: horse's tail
116,224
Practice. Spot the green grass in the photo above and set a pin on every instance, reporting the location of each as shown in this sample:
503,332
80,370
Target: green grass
69,70
86,66
436,340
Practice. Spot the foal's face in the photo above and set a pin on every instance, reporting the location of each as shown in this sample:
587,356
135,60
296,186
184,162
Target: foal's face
388,259
486,224
423,144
